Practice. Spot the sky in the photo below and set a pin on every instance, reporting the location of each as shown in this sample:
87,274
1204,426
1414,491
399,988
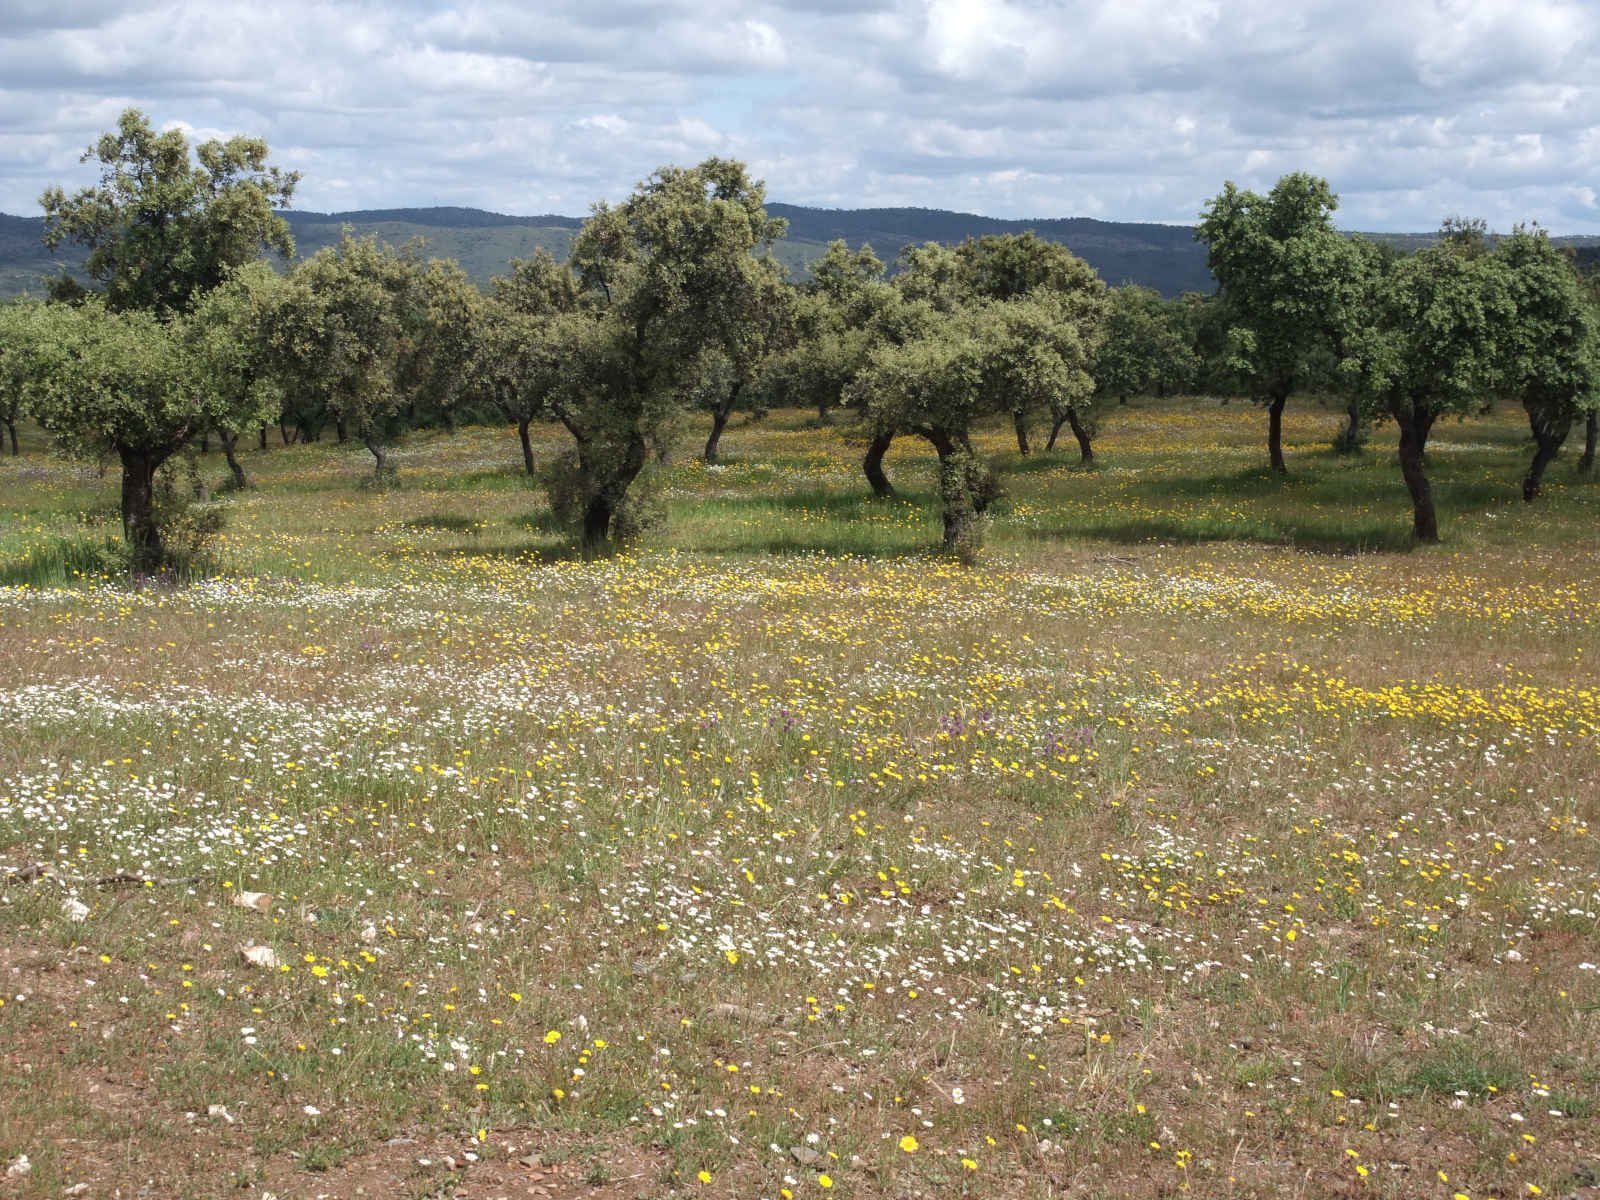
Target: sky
1122,109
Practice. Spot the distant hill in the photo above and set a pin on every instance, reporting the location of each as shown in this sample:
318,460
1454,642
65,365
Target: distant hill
1165,257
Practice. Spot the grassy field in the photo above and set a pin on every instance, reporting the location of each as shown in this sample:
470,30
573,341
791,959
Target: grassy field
1203,839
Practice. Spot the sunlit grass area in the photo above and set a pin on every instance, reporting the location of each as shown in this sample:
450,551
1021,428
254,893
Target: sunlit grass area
1203,839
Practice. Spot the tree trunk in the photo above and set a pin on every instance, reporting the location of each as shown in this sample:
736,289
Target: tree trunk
527,444
1550,431
230,442
205,443
1352,436
872,464
343,429
138,507
1055,431
597,516
380,454
263,437
960,513
1413,443
719,421
608,486
824,413
1019,421
1278,399
1079,431
11,428
1591,434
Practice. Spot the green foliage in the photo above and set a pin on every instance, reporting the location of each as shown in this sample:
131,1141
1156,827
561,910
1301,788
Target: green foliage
373,335
1551,361
1439,334
665,278
66,560
1291,282
1148,348
102,381
189,524
1435,342
161,229
994,325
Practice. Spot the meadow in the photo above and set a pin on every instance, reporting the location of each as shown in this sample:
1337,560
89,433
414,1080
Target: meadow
1203,839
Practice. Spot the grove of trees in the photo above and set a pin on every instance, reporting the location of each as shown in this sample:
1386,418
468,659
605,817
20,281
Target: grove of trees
671,303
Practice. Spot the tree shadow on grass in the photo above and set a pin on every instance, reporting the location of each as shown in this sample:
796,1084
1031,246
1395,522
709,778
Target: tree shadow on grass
1367,538
532,553
1046,462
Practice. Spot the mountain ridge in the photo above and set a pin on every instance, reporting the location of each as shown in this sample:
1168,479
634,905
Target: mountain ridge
1165,257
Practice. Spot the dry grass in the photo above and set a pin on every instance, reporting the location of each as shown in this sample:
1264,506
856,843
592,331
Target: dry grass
1156,855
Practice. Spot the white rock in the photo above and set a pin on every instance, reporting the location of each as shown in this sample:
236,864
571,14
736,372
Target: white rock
259,901
75,909
18,1167
259,956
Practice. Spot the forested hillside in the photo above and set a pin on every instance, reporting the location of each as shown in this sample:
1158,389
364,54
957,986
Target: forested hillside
1165,257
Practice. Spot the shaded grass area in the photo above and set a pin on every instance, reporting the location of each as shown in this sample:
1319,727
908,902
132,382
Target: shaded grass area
1182,471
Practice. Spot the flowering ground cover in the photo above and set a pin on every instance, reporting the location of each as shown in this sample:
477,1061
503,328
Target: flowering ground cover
1201,840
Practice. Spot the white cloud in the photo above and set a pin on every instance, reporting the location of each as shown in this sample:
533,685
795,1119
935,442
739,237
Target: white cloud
1135,109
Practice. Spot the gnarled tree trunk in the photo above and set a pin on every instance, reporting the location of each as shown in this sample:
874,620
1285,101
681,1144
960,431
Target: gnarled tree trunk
959,515
1354,433
527,444
380,454
872,464
1276,399
1055,430
138,506
965,487
230,442
1081,432
1414,428
11,429
1591,434
1550,431
1019,421
719,421
607,482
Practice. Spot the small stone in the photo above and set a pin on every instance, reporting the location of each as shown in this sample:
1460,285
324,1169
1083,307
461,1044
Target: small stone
805,1156
18,1167
260,956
